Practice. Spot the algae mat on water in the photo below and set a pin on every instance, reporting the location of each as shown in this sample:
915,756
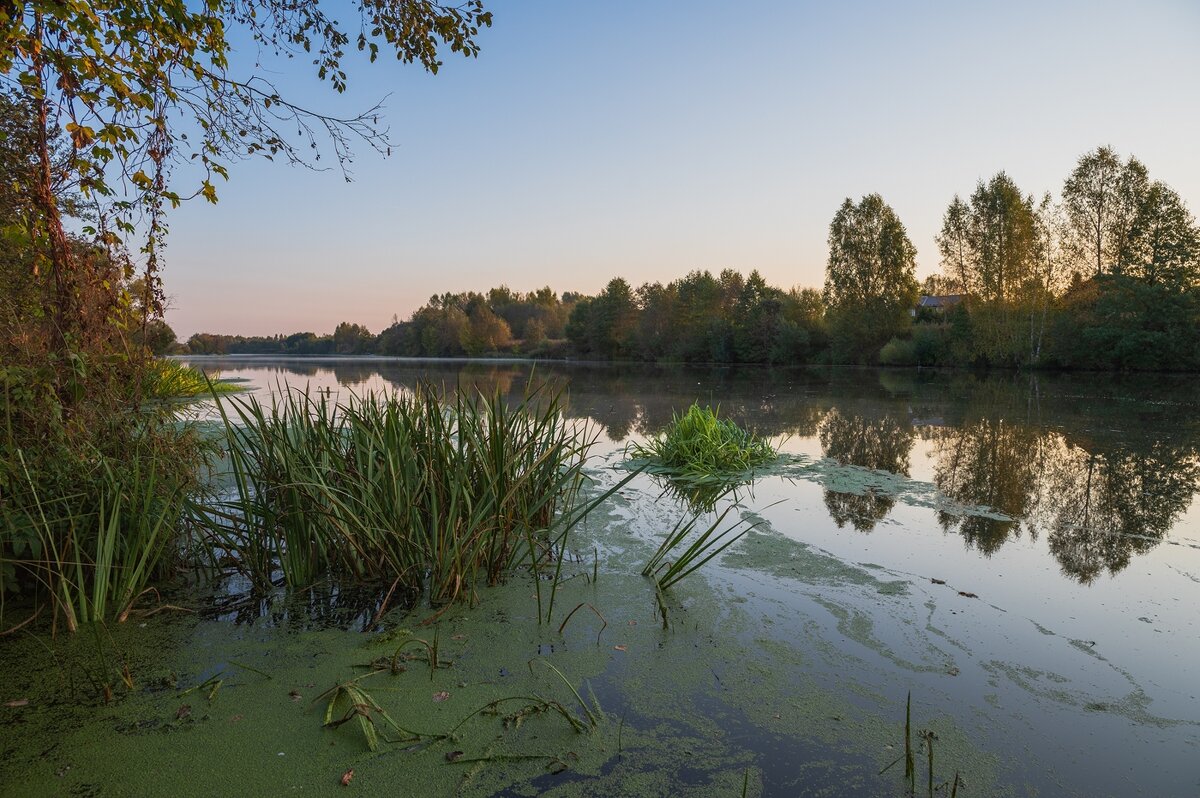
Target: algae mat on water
704,707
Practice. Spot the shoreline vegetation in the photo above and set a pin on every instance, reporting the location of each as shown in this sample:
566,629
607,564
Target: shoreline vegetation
1104,277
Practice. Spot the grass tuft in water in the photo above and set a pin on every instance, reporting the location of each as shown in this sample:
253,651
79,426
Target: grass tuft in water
701,446
170,379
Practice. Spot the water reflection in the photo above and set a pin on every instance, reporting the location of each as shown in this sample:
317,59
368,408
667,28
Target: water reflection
992,463
1110,505
883,444
1102,466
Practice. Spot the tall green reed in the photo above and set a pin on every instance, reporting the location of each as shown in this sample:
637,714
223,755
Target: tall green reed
432,489
92,554
704,546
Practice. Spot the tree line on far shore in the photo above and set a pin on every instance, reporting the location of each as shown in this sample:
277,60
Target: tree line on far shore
1105,276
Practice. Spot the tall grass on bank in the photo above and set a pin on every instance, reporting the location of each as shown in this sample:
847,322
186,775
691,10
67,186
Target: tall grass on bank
91,554
422,489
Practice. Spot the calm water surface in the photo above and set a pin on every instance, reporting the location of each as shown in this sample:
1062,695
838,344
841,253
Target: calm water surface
1073,655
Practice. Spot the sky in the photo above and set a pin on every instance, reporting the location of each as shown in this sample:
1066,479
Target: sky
645,139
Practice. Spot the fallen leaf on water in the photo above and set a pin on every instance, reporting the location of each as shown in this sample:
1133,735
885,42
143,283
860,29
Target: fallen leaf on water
453,756
965,594
952,671
458,637
235,718
937,581
621,648
183,712
441,695
349,774
633,623
295,695
19,702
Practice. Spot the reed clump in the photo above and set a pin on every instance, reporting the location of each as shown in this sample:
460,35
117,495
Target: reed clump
170,379
426,489
92,494
702,448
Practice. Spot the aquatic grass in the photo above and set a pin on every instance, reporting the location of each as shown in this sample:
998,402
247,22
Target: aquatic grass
393,664
587,711
170,379
93,553
910,767
534,704
704,448
927,736
598,614
429,490
702,548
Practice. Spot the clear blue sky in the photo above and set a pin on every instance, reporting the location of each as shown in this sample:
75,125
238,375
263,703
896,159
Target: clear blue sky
646,139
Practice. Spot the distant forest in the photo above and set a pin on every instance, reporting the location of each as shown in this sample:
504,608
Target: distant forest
1105,276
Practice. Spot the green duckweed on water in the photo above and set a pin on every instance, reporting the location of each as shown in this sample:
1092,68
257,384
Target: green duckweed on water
695,709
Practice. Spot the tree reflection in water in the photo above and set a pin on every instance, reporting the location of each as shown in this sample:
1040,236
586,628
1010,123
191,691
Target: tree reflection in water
882,444
1099,501
1102,466
1109,506
990,462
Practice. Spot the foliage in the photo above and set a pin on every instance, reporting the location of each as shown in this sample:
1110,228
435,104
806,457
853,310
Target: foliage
170,379
404,488
699,445
1124,323
1021,265
869,280
1102,197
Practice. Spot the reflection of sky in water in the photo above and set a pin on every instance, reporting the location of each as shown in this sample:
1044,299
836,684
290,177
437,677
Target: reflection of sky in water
1084,633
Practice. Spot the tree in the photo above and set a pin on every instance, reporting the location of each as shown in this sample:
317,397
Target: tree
757,321
1002,239
1048,278
1163,244
991,246
954,245
535,334
485,331
142,89
605,326
1101,197
352,339
870,285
